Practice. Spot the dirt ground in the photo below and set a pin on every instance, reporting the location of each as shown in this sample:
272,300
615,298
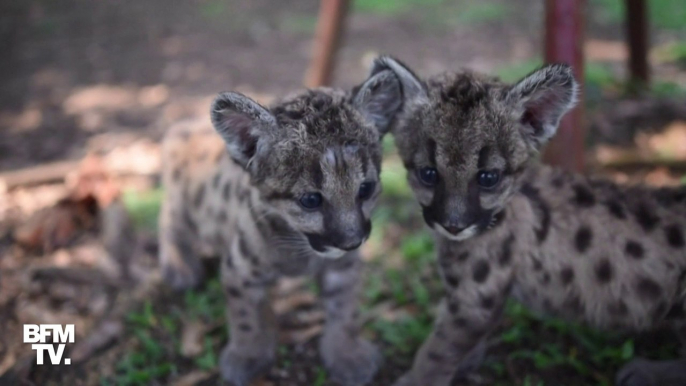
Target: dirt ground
81,77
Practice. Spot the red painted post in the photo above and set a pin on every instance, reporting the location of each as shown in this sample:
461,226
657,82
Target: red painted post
330,23
637,36
564,38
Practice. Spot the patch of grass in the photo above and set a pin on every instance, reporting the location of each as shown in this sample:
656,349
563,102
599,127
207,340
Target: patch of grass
144,207
515,71
392,8
666,14
300,24
480,12
154,332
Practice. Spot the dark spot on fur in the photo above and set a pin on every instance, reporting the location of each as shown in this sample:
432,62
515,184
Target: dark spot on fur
616,209
536,263
677,311
573,305
487,302
215,181
540,208
582,239
675,236
189,222
452,280
618,308
648,288
199,196
462,257
566,275
226,191
603,271
646,218
506,251
634,249
460,322
431,150
453,307
244,327
545,278
558,181
434,356
228,260
234,292
480,271
583,196
660,311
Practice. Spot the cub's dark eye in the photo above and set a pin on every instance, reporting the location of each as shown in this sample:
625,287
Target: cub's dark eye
488,178
428,176
366,190
311,200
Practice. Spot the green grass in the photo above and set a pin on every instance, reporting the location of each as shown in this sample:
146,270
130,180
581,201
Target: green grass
143,207
392,8
664,14
154,331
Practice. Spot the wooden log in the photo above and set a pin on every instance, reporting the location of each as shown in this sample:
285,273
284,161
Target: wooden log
564,36
330,23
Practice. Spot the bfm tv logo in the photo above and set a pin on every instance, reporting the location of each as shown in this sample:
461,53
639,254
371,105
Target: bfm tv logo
37,335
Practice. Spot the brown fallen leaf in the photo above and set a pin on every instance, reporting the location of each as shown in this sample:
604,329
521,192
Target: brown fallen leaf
291,302
301,335
191,338
192,378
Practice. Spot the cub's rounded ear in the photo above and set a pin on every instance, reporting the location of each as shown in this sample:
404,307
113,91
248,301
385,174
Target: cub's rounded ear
390,86
241,122
379,99
412,87
541,99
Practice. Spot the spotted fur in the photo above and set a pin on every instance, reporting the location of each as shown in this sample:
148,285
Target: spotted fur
237,192
564,244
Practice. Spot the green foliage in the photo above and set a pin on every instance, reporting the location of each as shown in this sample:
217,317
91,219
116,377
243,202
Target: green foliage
144,207
666,14
392,8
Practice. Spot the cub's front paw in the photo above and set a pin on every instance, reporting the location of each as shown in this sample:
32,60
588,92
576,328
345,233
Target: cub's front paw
405,380
350,362
182,277
638,372
239,369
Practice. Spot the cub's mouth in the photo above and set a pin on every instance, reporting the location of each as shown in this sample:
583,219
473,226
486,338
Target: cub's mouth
487,221
335,247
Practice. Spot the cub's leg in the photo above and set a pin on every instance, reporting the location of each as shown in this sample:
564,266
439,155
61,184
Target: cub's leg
642,372
350,359
476,293
252,326
181,267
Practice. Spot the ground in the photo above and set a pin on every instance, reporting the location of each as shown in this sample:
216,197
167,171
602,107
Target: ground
85,77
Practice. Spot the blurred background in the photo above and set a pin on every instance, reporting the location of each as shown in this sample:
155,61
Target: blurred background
89,88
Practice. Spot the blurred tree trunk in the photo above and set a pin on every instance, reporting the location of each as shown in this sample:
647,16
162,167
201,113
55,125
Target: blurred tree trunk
564,38
330,23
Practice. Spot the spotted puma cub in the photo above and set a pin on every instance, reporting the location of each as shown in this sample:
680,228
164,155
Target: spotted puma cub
564,244
286,190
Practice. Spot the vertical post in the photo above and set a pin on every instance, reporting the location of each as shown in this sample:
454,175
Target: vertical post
330,24
564,37
637,35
